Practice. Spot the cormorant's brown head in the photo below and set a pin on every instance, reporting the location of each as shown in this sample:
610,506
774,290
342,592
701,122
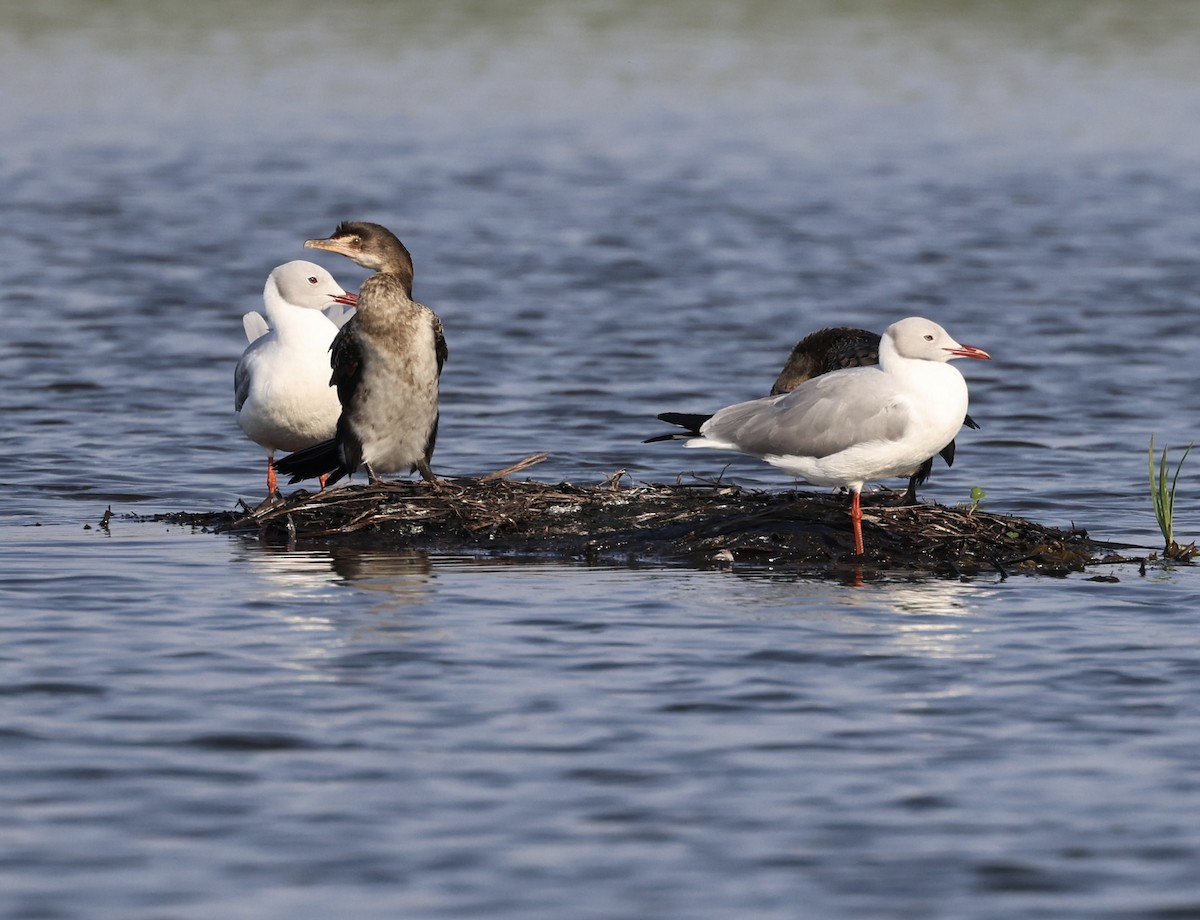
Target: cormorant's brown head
370,245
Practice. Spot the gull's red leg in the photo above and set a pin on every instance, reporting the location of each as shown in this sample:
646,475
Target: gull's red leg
271,482
856,520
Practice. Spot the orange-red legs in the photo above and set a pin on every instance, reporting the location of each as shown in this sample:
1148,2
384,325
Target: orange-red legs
856,520
272,482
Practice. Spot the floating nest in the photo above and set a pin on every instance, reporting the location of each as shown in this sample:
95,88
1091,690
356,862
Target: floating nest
698,523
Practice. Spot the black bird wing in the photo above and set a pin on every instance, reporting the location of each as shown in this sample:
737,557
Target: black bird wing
689,421
439,343
345,357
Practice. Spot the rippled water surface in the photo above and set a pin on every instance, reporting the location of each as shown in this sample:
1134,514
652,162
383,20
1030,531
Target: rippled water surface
617,210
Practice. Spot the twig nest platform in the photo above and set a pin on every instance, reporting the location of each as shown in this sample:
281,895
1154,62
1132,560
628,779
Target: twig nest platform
698,524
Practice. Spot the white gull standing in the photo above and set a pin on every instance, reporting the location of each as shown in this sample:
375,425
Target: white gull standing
282,392
851,426
839,347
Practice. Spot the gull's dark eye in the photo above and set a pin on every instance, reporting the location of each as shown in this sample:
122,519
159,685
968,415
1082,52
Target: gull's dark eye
312,279
928,337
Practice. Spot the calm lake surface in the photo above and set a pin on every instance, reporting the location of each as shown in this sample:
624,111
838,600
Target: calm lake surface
617,209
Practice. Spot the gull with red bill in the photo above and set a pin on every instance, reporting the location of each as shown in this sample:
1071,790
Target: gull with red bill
851,426
282,392
838,347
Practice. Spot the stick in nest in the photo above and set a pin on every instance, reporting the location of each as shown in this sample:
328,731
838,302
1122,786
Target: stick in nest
532,460
614,481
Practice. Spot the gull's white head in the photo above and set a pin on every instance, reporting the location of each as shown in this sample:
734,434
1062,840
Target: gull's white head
308,285
923,339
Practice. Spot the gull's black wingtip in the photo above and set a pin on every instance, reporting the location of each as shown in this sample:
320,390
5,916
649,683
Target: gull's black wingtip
689,421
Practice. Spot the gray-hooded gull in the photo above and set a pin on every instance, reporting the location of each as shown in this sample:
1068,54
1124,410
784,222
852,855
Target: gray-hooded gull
387,362
838,347
281,391
853,425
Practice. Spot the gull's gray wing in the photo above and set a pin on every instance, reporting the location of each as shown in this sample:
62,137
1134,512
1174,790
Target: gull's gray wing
256,327
823,416
241,381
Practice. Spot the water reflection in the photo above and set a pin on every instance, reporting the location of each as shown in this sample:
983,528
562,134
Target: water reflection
403,574
291,574
927,619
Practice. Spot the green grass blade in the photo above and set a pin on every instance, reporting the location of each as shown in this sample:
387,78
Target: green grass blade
1166,501
1156,498
1162,493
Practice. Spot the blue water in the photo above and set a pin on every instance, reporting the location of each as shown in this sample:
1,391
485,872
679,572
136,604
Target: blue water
616,212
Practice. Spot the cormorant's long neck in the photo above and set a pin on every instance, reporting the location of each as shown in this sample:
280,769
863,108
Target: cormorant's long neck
384,300
402,271
389,257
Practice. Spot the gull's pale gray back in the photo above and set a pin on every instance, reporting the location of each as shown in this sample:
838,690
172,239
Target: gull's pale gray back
822,416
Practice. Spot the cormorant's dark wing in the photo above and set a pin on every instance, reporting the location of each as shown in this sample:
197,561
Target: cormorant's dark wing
439,342
346,360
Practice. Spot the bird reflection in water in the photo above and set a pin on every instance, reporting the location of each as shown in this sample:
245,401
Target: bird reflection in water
403,575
